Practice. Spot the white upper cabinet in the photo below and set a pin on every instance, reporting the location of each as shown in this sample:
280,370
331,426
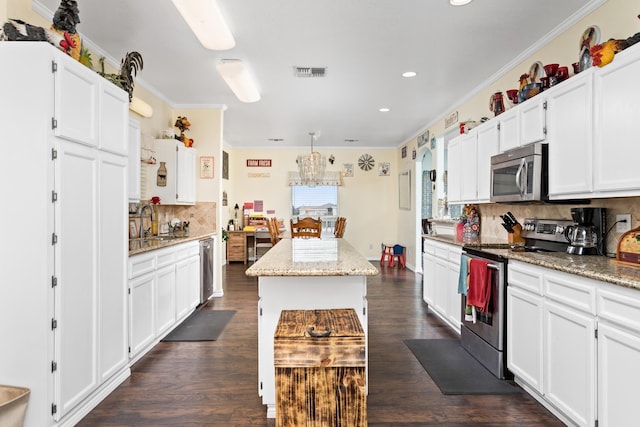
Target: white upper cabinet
570,121
617,109
114,114
509,129
134,161
76,95
173,177
488,145
532,121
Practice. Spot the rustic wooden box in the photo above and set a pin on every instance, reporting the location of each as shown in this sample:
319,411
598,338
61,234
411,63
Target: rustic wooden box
320,364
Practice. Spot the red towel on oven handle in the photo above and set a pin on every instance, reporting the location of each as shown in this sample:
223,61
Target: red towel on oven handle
479,293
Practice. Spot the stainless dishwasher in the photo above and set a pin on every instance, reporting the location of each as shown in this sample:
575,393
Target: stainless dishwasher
206,269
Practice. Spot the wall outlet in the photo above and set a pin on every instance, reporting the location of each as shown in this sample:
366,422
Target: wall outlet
370,245
623,227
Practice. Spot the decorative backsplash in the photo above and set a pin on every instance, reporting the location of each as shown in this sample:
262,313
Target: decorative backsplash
490,215
201,216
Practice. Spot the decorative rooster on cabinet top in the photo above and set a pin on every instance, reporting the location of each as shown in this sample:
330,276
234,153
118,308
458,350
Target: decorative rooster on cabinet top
62,33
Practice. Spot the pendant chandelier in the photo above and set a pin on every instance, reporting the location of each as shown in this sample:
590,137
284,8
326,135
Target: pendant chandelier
311,167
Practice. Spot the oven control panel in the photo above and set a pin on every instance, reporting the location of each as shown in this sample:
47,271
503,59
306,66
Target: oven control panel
545,229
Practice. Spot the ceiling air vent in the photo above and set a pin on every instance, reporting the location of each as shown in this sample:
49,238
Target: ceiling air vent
309,71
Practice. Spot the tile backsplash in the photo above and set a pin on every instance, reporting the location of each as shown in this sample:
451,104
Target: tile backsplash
201,216
490,215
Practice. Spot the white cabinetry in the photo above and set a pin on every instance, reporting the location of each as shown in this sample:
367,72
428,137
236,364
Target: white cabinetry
134,160
469,164
488,142
523,124
454,170
164,288
617,108
571,341
179,188
570,121
65,267
440,281
429,272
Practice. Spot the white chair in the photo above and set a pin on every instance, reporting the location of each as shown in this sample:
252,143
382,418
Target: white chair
261,243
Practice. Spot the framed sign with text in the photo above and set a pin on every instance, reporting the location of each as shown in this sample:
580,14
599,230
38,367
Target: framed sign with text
258,163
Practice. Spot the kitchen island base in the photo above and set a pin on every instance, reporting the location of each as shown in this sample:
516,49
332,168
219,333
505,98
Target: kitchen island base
299,293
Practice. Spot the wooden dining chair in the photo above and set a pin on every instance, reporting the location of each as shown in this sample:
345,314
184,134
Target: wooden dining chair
274,230
306,228
341,223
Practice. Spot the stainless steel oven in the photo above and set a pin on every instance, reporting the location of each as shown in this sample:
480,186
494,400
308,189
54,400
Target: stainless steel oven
520,175
485,339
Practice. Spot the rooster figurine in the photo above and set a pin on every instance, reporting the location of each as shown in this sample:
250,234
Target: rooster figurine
603,54
62,33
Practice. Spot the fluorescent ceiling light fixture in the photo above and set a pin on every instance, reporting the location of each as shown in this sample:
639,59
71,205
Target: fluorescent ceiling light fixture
206,22
384,110
237,77
409,74
459,2
137,105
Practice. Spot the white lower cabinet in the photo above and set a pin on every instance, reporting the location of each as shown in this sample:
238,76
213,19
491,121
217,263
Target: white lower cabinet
574,344
570,363
524,336
440,281
164,288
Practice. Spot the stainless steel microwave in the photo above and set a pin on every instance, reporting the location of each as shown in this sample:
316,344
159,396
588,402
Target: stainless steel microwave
520,175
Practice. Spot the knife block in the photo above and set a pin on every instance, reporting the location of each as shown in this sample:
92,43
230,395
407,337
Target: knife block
516,238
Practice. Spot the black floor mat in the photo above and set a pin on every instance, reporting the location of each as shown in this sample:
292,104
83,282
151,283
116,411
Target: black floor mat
202,325
454,370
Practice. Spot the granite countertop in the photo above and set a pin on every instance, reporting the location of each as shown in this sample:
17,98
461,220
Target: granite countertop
138,246
312,257
591,266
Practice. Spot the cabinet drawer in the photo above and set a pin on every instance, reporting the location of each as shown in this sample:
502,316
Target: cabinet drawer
454,254
186,250
166,257
429,247
141,264
619,305
576,292
525,277
442,251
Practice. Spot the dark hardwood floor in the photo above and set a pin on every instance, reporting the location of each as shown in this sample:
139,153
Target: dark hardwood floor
215,383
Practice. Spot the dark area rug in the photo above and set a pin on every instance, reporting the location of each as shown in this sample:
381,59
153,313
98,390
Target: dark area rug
201,325
454,370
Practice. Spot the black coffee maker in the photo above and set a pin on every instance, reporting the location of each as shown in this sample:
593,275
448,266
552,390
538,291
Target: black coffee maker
586,236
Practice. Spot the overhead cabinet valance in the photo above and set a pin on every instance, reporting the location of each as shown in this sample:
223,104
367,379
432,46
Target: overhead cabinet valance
329,178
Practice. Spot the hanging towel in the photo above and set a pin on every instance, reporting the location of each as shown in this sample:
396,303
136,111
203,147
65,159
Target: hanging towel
464,272
479,293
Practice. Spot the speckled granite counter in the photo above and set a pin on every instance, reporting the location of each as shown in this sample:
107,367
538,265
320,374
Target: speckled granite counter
312,257
590,266
138,246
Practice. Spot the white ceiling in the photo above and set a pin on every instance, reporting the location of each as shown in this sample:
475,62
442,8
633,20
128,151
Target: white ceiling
365,44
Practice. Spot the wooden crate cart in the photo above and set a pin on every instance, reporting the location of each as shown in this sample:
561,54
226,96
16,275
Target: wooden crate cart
320,365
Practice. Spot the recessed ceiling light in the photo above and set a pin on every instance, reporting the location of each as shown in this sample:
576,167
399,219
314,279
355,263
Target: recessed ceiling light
409,74
385,110
459,2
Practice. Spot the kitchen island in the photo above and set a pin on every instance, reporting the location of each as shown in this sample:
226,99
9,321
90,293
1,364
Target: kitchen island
305,274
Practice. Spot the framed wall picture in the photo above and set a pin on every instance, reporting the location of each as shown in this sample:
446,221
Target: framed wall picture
384,169
347,169
423,139
206,167
225,165
404,190
133,228
404,151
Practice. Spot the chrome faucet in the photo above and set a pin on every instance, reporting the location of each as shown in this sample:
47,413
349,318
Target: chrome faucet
153,218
